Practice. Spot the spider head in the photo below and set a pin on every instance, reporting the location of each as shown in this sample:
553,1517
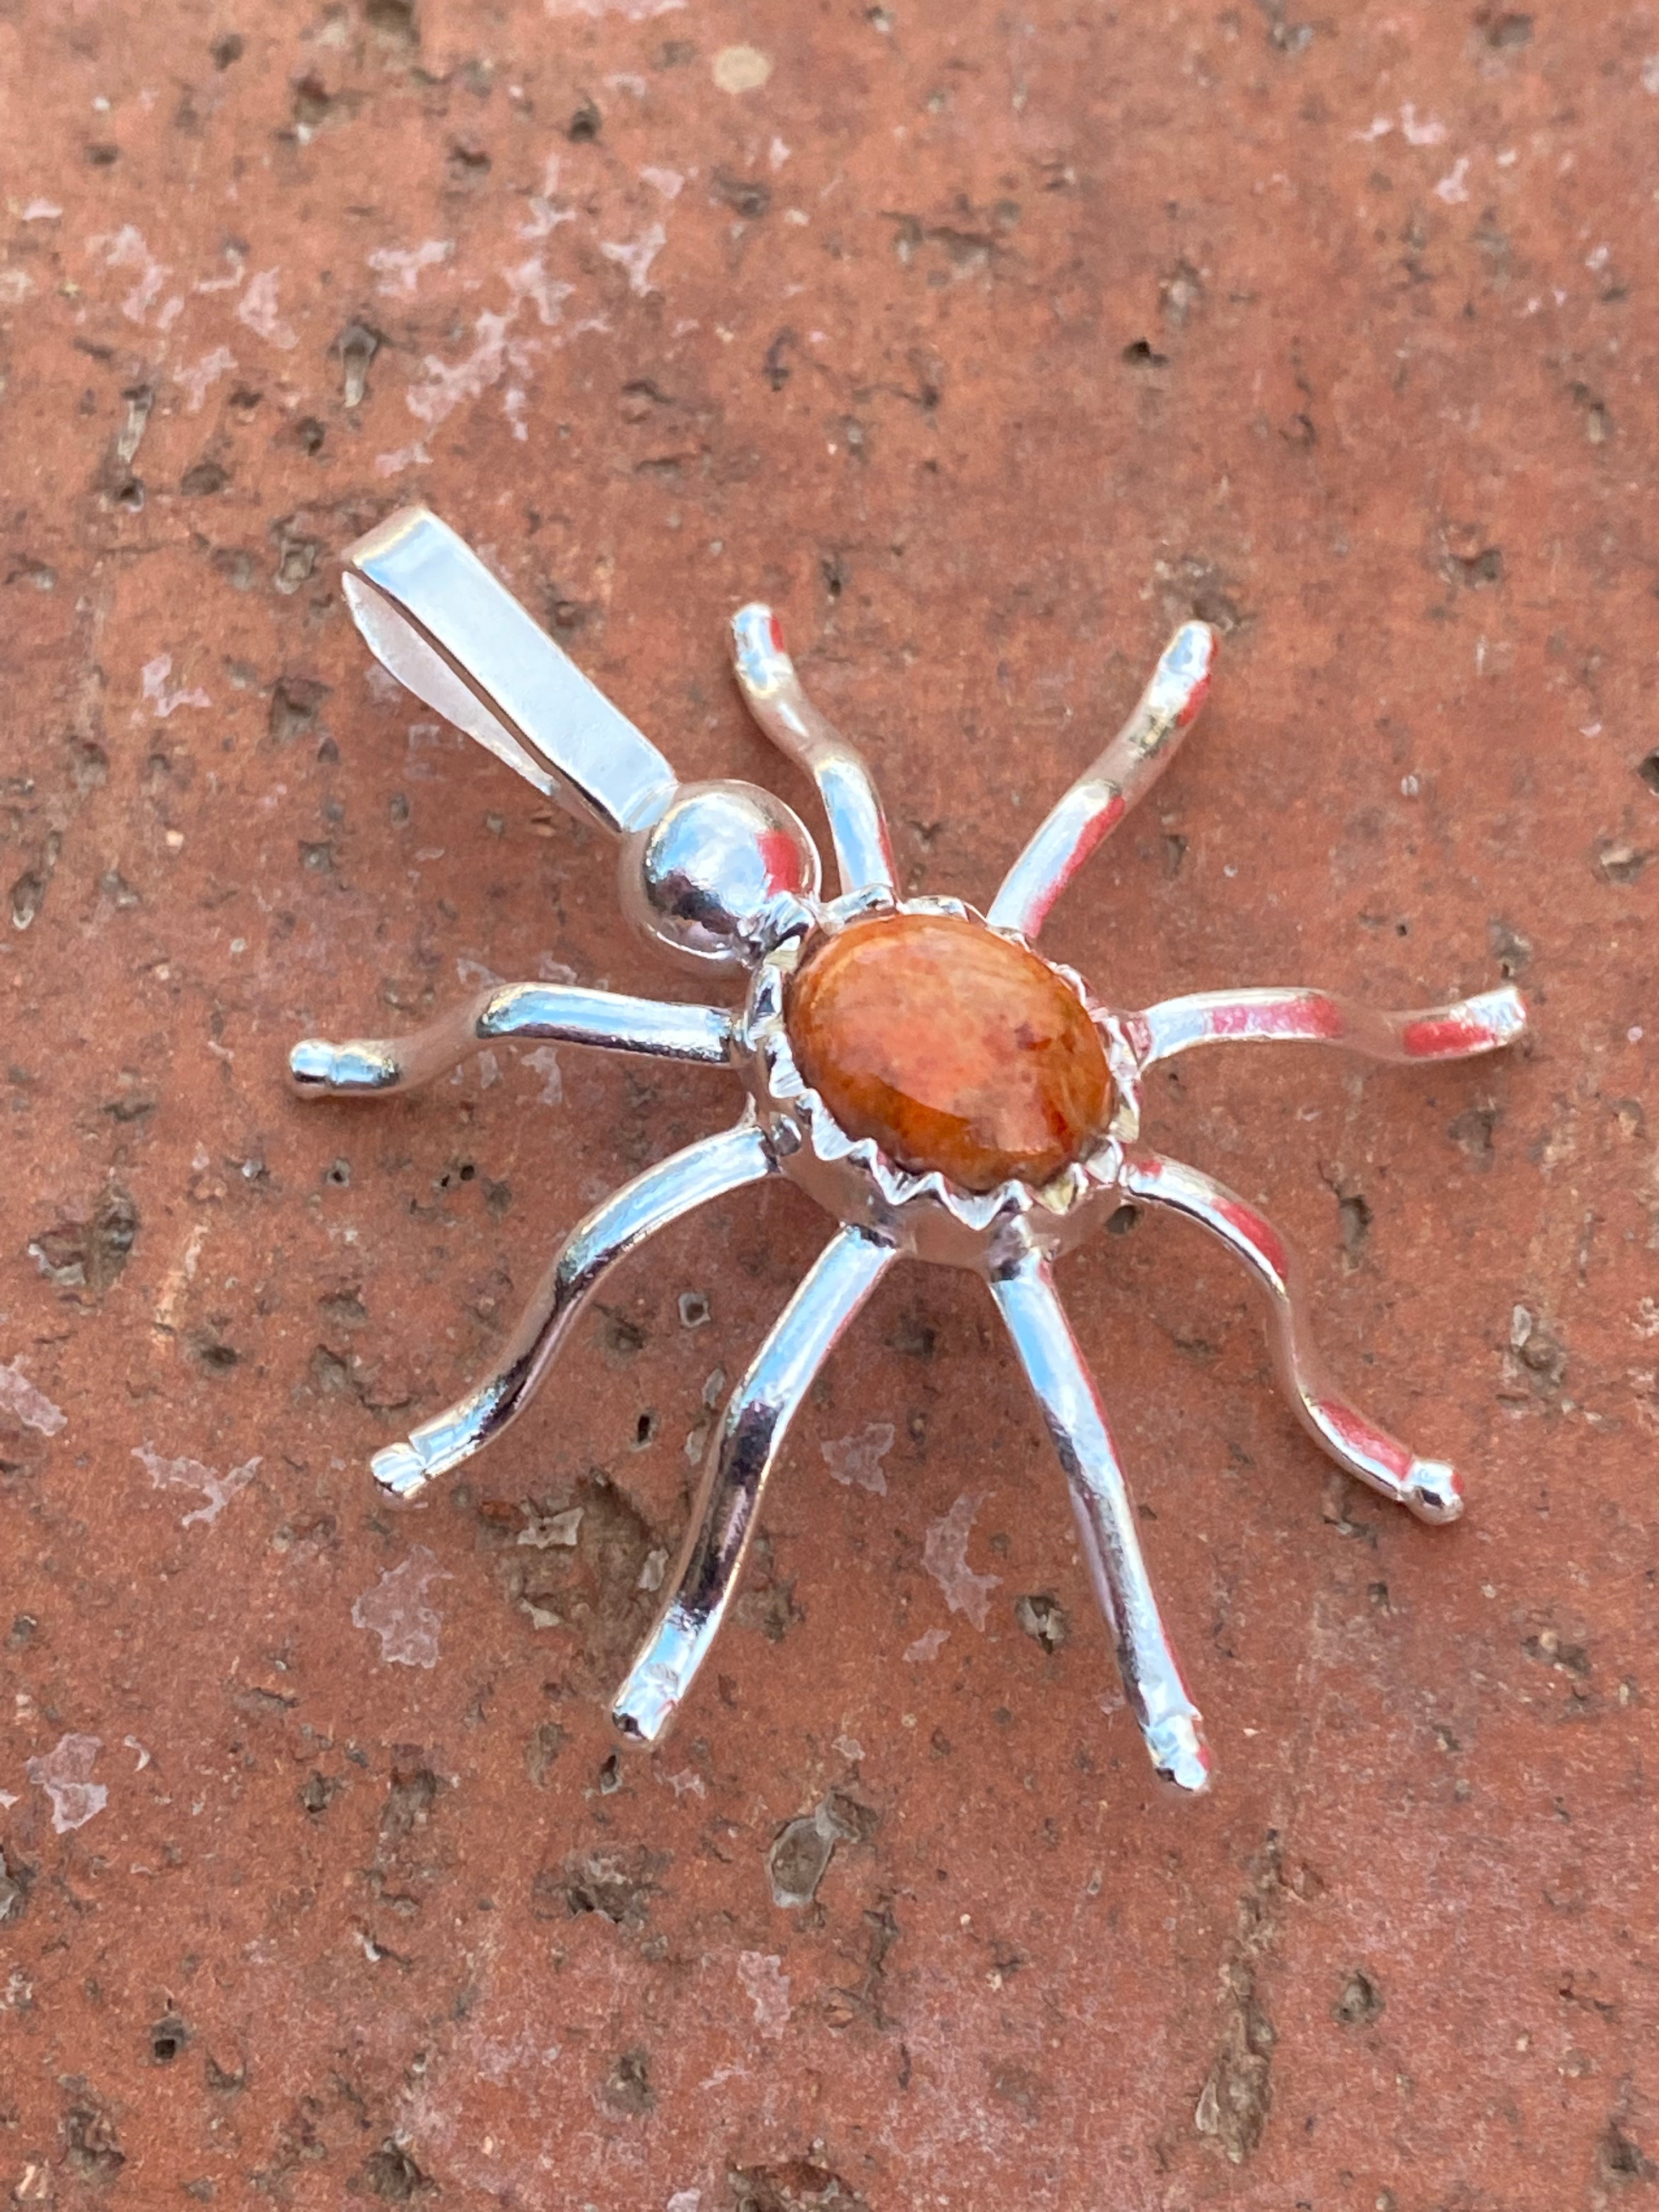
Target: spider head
723,874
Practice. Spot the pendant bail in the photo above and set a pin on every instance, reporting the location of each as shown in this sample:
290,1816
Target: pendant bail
454,634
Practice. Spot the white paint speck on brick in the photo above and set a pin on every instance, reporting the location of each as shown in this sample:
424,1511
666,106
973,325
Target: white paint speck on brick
636,255
215,1489
545,1061
65,1774
944,1555
397,1612
858,1459
259,310
399,268
126,250
195,380
631,11
1453,188
767,1987
20,1398
154,677
741,69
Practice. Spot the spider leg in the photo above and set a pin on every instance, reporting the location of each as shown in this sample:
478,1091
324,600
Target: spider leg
673,1186
772,691
1429,1488
1105,792
1065,1391
1484,1023
741,1458
372,1066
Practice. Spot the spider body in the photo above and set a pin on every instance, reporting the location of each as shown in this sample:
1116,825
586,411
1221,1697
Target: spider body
939,1088
951,1046
961,1125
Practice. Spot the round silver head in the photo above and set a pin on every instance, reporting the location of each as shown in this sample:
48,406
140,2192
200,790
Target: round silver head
722,874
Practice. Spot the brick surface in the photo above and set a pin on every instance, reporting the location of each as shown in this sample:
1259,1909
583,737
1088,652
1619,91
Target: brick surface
987,343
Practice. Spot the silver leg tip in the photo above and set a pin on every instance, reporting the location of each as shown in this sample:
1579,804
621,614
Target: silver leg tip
1434,1492
320,1070
757,647
311,1068
400,1470
1180,1752
644,1706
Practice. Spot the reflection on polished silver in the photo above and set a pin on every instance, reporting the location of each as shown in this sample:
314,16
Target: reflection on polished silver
1104,793
1426,1488
614,1229
741,1458
766,677
548,1012
1065,1390
433,613
724,878
721,876
1473,1025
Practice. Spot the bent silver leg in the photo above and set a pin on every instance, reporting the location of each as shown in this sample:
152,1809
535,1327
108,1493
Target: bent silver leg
1103,794
1065,1391
1427,1487
772,691
674,1187
1484,1023
741,1458
372,1066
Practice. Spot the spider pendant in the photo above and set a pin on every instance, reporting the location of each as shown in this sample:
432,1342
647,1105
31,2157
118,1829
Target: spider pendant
943,1092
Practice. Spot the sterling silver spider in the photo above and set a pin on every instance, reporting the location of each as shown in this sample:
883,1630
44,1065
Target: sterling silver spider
943,1092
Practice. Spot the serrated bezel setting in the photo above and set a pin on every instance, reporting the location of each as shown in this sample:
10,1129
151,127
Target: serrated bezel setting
926,1216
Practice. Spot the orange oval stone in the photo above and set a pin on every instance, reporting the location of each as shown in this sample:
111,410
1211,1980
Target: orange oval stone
951,1048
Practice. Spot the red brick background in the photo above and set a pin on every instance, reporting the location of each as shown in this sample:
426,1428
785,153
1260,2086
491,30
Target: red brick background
988,342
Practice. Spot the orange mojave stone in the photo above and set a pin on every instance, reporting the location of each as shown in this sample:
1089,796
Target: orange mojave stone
953,1048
